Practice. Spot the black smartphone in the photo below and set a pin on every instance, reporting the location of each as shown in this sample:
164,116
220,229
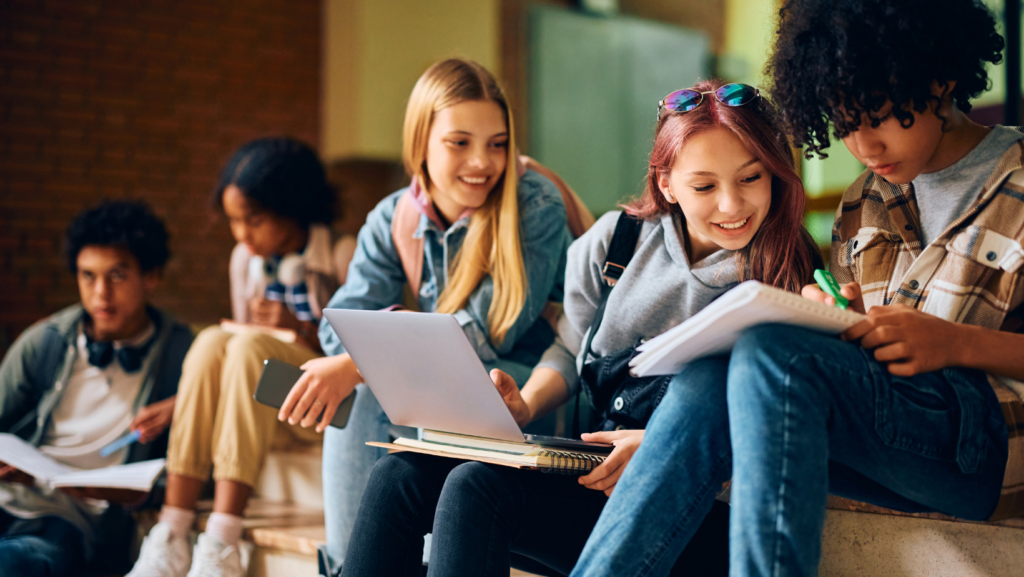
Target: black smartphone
276,382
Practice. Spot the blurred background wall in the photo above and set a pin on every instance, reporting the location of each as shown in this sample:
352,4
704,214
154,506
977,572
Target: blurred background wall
147,99
112,99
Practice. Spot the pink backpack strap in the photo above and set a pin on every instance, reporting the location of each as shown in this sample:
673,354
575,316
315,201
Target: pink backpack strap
578,215
410,249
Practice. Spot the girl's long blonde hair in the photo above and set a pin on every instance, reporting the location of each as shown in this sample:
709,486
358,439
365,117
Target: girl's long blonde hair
491,245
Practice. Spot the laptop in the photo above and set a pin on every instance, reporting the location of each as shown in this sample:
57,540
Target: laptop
426,374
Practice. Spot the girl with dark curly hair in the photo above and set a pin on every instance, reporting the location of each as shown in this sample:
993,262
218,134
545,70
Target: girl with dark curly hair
918,407
284,269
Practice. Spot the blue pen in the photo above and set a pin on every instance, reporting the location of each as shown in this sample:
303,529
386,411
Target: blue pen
122,442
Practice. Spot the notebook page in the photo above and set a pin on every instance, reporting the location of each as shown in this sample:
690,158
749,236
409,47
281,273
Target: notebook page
138,476
27,458
715,333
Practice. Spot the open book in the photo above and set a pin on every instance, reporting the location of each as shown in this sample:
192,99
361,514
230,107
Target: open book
23,456
715,329
497,452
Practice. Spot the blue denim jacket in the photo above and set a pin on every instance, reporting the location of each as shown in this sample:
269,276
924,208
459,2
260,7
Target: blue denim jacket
376,277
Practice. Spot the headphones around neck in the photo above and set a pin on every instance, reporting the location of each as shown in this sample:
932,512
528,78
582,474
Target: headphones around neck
290,270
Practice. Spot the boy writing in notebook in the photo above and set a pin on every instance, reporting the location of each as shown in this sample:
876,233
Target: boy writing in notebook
77,381
918,408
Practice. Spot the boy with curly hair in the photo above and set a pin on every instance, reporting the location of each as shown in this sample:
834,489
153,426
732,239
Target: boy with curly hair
82,378
918,407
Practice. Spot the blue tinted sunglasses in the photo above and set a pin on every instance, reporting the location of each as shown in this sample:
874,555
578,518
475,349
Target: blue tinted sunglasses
687,99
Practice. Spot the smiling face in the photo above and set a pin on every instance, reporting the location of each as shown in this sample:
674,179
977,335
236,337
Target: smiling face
723,190
114,291
895,153
466,155
263,232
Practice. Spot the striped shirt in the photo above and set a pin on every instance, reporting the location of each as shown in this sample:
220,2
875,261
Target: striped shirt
972,273
296,297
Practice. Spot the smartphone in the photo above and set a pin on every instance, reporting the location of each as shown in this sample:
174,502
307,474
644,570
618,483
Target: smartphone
276,382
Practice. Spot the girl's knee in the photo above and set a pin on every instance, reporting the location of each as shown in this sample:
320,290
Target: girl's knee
398,471
250,346
472,480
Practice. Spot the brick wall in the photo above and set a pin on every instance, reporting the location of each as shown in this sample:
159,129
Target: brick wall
139,99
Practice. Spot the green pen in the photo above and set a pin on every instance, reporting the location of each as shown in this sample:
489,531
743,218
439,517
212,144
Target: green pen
827,283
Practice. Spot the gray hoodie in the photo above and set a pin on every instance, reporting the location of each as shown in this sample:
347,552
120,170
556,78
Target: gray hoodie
658,290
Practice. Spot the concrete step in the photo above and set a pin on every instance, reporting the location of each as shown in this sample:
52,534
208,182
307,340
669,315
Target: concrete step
868,541
293,475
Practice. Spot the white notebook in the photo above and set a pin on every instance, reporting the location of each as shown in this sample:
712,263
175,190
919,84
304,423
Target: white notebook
715,329
23,456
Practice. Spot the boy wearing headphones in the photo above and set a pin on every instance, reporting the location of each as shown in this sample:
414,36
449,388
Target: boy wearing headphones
82,378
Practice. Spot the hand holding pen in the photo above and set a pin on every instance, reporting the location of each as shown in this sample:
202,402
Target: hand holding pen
829,292
153,420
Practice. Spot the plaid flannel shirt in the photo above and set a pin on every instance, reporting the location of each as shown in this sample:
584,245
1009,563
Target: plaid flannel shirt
972,273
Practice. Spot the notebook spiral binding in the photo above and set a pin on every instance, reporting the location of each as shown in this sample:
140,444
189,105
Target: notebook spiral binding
567,463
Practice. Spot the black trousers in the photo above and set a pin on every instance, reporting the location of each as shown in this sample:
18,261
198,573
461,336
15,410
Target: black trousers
487,518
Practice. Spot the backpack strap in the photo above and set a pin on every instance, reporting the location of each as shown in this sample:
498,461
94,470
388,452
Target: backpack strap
577,214
620,252
410,249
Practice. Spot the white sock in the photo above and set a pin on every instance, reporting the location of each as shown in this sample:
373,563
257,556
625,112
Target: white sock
179,520
226,528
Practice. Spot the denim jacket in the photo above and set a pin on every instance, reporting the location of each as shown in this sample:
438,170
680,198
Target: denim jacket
376,277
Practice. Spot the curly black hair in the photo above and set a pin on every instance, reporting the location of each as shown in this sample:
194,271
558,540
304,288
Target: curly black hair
123,224
837,59
283,176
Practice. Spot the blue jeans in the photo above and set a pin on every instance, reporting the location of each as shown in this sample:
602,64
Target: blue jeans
47,546
348,462
809,415
670,483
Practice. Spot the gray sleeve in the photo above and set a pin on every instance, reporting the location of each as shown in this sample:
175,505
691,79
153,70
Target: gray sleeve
561,355
584,285
18,385
584,288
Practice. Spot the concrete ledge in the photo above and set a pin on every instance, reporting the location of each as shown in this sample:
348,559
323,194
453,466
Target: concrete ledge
869,545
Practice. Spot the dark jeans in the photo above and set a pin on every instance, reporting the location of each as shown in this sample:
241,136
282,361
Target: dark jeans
486,518
43,547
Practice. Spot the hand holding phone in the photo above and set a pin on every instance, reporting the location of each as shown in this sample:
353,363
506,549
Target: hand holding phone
277,381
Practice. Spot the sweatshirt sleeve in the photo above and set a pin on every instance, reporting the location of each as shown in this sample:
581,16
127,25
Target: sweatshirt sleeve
584,288
561,355
584,284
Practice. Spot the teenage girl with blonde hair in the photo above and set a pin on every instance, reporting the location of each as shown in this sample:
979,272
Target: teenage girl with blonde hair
494,239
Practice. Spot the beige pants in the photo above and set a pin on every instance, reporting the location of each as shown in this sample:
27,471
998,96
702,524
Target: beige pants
216,421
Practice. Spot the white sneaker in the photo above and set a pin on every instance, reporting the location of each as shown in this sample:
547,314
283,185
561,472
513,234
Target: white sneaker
215,559
163,554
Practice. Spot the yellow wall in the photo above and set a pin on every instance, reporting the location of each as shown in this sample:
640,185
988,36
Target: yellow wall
749,34
374,50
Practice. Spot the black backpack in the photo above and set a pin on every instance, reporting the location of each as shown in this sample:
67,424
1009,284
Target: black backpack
619,399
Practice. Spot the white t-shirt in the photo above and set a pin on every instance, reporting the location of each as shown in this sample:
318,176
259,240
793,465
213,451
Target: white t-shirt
95,410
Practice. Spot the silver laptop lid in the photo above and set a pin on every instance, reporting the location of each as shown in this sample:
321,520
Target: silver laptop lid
424,372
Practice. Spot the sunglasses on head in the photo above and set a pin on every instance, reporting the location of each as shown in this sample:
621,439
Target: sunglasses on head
687,99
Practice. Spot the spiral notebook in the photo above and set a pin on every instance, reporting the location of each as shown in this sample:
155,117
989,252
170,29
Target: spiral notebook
509,454
715,329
